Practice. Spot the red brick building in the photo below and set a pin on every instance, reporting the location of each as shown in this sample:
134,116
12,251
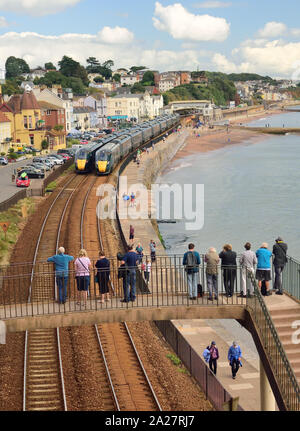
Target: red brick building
54,121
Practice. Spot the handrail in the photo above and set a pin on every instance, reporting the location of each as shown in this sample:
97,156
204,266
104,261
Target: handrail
283,372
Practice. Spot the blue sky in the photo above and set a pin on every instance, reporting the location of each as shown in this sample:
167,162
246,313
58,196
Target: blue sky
230,36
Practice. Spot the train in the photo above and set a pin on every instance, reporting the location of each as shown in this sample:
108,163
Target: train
103,155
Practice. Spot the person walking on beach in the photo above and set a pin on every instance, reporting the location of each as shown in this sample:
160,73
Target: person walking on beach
212,259
279,252
263,271
82,271
191,262
153,250
214,356
248,260
131,234
61,262
103,273
228,258
234,358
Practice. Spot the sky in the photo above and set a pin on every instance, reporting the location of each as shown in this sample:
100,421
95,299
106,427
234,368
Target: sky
260,36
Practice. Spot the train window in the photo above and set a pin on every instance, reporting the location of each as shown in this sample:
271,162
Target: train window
81,154
103,156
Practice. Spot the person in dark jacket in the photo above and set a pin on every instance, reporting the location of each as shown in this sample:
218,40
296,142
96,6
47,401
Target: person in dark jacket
131,260
234,358
279,262
228,262
123,273
214,356
103,273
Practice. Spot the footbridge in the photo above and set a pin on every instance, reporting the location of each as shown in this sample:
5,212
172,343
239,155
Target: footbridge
272,321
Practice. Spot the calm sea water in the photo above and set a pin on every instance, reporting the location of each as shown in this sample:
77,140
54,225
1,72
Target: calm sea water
252,193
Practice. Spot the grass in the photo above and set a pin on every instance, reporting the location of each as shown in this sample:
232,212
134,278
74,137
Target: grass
51,186
70,169
15,217
178,363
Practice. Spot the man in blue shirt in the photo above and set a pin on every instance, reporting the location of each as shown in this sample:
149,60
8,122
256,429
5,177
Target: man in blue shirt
263,271
234,358
191,261
61,262
130,259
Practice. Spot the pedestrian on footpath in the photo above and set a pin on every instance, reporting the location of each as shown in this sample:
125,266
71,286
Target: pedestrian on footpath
212,259
103,274
248,260
191,262
61,262
82,272
146,268
206,354
263,271
131,234
132,200
279,252
153,250
234,358
228,258
139,249
214,356
131,260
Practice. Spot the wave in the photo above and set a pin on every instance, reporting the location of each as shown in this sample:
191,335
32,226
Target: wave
181,166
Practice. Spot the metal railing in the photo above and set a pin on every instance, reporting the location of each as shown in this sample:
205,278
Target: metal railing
212,388
283,372
291,278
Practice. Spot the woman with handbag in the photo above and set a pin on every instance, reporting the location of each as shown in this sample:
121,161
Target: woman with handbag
82,273
103,273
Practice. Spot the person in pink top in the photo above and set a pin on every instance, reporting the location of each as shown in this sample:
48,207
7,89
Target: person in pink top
82,273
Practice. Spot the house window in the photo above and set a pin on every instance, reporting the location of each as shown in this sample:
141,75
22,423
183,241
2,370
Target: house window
48,112
25,122
30,122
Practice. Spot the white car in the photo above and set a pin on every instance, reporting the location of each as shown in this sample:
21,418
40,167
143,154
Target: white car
56,160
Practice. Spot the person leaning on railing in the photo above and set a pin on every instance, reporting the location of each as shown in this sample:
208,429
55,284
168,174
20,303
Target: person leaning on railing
212,259
279,262
61,262
248,260
228,258
191,262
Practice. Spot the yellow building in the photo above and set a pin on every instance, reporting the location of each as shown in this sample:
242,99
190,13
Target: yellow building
24,114
5,133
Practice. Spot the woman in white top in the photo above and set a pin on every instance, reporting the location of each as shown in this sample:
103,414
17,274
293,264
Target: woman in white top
82,273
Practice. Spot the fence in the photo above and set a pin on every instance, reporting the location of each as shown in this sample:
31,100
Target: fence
291,278
57,172
4,206
210,385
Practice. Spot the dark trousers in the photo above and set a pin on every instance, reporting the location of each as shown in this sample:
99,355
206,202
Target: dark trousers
235,365
229,276
125,289
62,282
213,365
278,281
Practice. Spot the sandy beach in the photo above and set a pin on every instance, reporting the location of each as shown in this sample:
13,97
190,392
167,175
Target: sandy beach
219,137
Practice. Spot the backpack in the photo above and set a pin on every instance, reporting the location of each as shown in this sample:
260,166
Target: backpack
191,261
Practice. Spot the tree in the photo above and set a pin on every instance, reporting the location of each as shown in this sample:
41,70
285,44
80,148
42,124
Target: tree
11,87
108,64
148,78
68,66
15,67
138,87
50,66
117,77
98,79
93,65
45,144
135,69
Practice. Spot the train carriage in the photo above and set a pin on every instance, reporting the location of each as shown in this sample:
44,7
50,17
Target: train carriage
107,158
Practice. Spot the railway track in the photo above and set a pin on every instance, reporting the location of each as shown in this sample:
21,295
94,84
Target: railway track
43,388
128,379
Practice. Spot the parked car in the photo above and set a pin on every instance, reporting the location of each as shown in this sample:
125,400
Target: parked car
33,150
65,151
43,160
32,172
3,160
23,182
56,160
40,166
66,157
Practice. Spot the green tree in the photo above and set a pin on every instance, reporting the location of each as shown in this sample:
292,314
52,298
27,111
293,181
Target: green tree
93,65
68,66
98,79
50,66
138,87
117,77
15,67
45,144
135,69
11,87
148,78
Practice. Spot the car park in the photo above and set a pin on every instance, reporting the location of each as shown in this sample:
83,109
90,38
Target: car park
40,166
66,157
3,160
56,160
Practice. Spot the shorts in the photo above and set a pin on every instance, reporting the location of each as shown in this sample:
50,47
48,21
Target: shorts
263,274
83,283
131,236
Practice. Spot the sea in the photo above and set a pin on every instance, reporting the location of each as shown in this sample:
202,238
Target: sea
251,192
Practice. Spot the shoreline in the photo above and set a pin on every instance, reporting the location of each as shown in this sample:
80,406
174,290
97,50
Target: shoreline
215,139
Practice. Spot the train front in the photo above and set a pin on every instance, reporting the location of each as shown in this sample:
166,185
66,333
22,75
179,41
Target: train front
81,160
103,162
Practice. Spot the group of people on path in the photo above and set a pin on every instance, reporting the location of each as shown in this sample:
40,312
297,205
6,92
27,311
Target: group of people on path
211,356
257,265
83,270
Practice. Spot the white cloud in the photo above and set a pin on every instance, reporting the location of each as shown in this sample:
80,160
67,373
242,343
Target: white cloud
36,7
37,49
273,29
116,35
181,24
212,4
222,64
295,32
3,22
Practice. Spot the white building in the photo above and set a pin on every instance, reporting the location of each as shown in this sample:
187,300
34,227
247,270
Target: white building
129,79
